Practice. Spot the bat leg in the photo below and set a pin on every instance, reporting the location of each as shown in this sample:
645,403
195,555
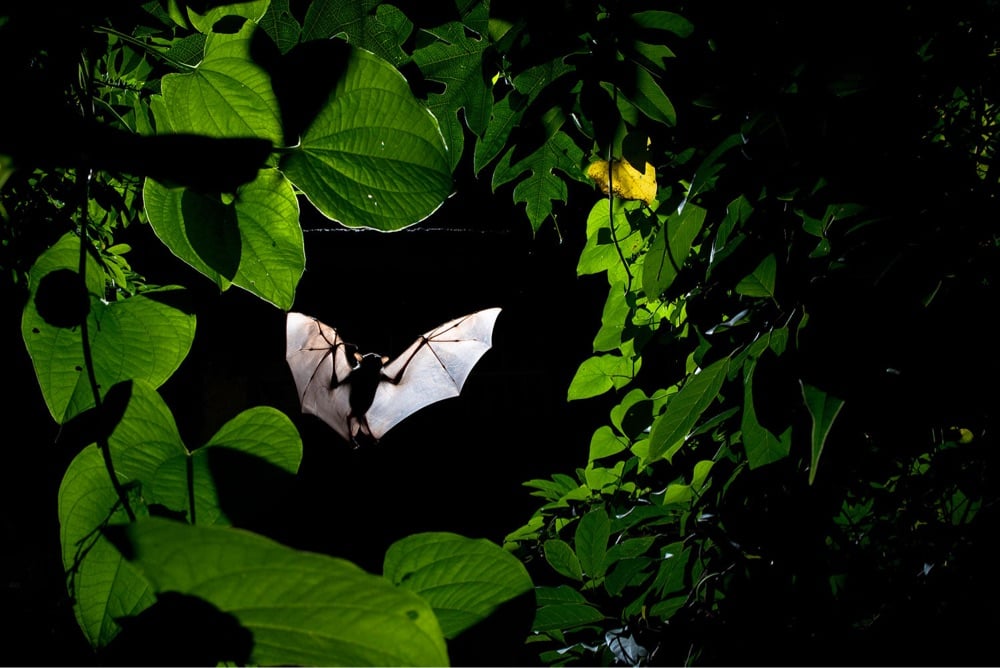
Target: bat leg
361,433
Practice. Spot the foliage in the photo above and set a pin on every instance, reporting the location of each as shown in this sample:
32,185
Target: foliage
795,452
206,107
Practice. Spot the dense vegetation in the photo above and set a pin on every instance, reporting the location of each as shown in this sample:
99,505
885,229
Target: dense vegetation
793,208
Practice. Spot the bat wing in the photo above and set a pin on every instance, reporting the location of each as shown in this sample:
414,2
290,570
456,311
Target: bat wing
433,368
319,364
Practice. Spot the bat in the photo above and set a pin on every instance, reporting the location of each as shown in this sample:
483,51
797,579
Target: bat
362,396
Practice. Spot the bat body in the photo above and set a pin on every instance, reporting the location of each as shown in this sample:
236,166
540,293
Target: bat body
363,396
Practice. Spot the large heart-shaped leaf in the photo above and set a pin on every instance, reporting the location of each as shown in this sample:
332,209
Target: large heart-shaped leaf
253,240
463,579
302,608
374,156
141,337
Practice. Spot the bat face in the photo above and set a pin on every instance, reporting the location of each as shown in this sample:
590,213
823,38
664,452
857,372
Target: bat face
362,398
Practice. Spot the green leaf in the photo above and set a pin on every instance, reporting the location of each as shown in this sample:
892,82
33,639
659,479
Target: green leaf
665,21
263,433
507,113
823,408
141,337
455,60
463,579
252,9
302,608
643,91
560,616
684,408
626,573
605,443
670,248
226,95
591,540
369,24
541,187
599,374
102,587
760,282
281,25
561,557
761,446
254,241
373,156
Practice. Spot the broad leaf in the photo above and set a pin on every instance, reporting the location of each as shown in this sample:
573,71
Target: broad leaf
670,248
226,95
140,337
302,608
253,241
102,587
373,156
684,409
599,374
463,579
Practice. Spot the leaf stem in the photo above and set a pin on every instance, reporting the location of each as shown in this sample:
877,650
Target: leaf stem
85,175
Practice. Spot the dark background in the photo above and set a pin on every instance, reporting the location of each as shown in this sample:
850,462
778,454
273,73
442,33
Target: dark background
457,465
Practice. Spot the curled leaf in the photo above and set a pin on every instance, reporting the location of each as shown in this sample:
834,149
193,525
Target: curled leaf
626,181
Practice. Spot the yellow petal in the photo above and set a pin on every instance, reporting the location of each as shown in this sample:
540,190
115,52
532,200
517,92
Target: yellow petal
626,181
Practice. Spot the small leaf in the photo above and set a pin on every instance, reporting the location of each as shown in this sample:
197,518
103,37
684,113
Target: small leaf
465,580
563,616
562,558
760,282
643,91
591,540
605,443
823,408
761,446
302,608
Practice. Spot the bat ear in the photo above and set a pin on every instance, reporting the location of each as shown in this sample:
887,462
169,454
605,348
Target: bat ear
358,356
385,360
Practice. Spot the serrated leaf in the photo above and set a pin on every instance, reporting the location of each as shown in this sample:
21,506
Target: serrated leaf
684,409
455,60
541,187
369,24
465,580
373,157
281,25
254,241
823,408
302,608
141,337
507,112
